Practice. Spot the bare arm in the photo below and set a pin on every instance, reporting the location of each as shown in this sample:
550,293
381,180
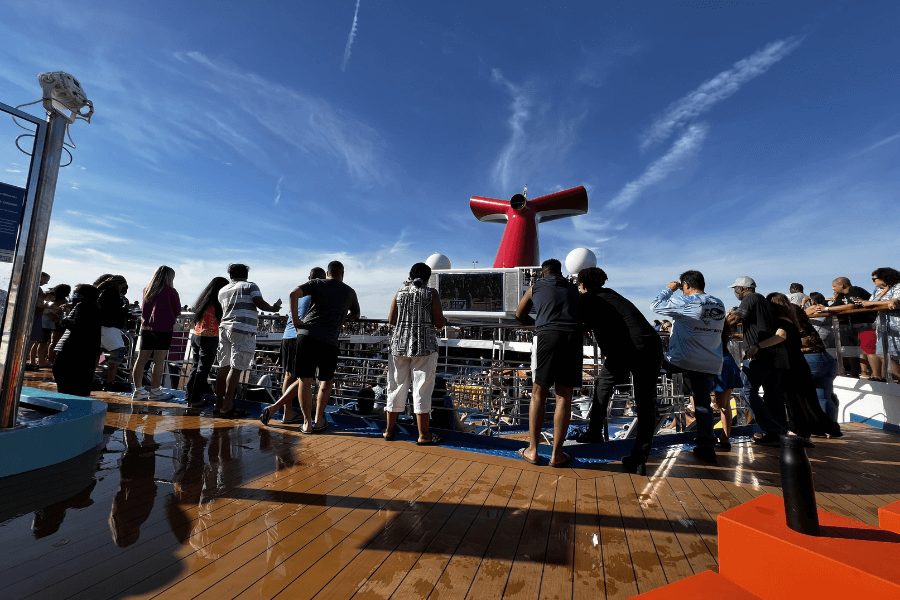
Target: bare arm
437,311
296,294
392,313
525,305
880,304
776,339
838,308
263,305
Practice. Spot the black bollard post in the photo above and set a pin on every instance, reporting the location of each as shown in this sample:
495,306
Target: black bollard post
797,485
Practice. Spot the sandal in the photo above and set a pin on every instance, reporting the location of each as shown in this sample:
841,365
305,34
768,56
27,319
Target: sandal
265,416
521,454
563,463
298,419
433,441
305,431
320,428
389,437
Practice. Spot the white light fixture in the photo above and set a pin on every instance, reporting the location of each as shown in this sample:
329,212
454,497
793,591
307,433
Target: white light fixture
62,93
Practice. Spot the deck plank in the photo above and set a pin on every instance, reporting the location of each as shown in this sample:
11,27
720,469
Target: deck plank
426,546
525,576
227,508
282,528
698,554
617,563
458,568
73,576
668,548
345,568
219,544
493,572
556,581
645,557
587,578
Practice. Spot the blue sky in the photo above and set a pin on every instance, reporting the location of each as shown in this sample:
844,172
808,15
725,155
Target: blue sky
737,138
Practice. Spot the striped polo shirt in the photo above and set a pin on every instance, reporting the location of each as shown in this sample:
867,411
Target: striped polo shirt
238,311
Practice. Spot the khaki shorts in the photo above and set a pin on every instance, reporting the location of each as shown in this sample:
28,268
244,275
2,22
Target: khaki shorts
236,349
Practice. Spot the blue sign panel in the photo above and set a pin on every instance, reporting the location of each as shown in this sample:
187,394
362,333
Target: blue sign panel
12,205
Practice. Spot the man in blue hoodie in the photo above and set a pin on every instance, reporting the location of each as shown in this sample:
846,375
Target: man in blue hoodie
695,347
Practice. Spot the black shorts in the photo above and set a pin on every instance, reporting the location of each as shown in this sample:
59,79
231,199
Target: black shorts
289,354
315,358
559,359
155,340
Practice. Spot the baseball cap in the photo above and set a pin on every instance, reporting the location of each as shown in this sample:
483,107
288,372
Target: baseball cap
745,282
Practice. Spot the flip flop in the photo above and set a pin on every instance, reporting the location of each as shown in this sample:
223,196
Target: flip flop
236,413
388,437
295,420
309,431
563,463
434,441
320,429
265,416
521,454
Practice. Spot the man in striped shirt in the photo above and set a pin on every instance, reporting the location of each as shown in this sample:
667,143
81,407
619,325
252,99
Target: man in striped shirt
241,300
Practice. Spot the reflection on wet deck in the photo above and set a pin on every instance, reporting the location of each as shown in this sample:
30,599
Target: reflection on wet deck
177,505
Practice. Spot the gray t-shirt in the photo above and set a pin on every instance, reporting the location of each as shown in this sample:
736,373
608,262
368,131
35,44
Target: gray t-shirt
331,301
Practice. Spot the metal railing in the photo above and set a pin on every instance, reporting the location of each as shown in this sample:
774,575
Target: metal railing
490,394
846,338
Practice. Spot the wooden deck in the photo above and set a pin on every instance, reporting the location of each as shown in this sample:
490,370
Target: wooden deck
183,506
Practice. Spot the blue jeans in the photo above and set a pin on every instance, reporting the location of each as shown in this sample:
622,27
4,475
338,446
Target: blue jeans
824,369
701,388
204,350
769,413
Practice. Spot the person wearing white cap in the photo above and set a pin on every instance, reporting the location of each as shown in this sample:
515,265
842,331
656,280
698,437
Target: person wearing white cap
756,315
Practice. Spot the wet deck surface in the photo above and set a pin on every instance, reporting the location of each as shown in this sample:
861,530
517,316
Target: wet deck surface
178,505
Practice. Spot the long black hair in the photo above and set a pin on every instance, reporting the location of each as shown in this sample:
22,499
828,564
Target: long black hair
61,292
784,309
889,276
209,296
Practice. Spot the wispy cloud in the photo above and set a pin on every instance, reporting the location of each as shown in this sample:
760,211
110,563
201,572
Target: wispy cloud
520,105
887,140
308,123
350,38
105,220
593,71
278,189
526,157
685,147
717,89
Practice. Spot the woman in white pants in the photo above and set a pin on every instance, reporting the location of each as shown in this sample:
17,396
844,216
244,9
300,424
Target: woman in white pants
416,316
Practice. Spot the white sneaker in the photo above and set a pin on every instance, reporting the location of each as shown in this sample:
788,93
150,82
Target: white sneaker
159,393
140,394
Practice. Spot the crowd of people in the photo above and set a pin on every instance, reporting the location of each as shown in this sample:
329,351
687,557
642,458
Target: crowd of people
784,354
785,340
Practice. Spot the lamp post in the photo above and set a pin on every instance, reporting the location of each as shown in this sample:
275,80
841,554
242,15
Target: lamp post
62,93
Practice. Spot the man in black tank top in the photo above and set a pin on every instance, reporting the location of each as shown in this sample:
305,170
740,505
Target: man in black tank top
558,338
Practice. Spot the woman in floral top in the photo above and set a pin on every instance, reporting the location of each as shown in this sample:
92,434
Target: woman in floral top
886,296
204,340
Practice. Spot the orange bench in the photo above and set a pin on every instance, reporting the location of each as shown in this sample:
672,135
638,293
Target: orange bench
849,559
702,585
889,517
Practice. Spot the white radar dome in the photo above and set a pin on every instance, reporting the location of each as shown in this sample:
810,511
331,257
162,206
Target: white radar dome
438,261
578,259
